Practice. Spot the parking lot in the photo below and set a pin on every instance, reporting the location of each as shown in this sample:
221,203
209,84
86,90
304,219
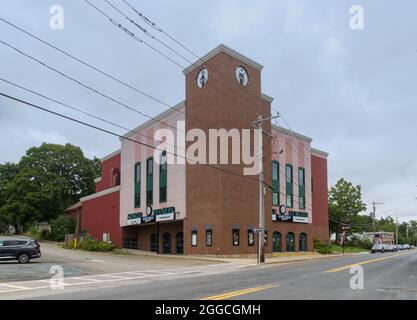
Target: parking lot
80,263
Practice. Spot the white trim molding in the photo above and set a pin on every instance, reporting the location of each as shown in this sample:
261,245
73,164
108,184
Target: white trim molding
97,180
111,155
266,98
292,133
159,117
319,153
224,49
100,194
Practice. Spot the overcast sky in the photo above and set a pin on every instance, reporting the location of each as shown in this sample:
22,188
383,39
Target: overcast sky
353,91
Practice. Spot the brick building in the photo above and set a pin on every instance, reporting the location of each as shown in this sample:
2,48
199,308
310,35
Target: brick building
196,209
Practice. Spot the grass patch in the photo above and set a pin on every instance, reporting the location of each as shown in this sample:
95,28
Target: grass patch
348,249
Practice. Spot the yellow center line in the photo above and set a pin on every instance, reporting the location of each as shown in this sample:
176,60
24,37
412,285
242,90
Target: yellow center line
362,263
232,294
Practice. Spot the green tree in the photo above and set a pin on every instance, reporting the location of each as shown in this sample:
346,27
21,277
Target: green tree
8,171
67,162
47,180
345,203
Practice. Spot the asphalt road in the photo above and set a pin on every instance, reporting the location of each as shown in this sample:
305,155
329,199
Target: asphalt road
386,276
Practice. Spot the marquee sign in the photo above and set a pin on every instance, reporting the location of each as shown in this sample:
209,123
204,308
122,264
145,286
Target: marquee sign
290,216
151,215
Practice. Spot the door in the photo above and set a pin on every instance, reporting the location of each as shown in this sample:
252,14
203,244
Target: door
290,242
154,243
303,242
10,248
276,242
180,243
166,243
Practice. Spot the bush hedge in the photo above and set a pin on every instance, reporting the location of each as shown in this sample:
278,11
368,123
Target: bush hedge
89,244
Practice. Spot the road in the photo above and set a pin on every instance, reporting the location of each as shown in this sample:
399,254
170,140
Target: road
386,276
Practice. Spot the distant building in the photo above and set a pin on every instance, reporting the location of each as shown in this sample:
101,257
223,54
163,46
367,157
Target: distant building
377,237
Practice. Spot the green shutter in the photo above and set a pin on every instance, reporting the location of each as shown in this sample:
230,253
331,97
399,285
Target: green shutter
289,179
301,188
163,175
275,183
137,184
149,180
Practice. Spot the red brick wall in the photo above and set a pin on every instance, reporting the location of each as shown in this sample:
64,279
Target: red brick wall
320,195
101,215
106,173
215,198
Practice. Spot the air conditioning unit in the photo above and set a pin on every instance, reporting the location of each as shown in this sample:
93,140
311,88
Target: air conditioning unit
106,237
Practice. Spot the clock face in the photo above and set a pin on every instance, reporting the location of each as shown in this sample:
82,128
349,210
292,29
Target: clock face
148,210
242,76
202,78
282,209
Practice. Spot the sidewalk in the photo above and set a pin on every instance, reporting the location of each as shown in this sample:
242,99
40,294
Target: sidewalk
277,258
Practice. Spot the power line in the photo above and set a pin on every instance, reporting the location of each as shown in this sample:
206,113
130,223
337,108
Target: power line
84,85
150,35
120,136
130,33
79,110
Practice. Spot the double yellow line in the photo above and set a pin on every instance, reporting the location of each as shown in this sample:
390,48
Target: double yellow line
239,292
362,263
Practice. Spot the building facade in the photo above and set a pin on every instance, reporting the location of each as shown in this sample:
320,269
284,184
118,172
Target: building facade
182,208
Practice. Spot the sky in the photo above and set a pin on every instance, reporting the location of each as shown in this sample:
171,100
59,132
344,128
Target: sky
354,91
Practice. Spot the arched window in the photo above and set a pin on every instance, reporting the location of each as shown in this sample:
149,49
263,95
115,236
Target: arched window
303,242
154,243
276,242
179,242
166,243
290,240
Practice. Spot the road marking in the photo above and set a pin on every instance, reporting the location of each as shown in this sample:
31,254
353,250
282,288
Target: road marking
237,293
362,263
119,277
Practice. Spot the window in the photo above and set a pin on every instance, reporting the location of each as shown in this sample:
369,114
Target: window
166,243
290,242
289,202
194,238
209,238
163,173
154,242
137,184
289,185
302,202
301,188
288,173
275,183
149,181
251,238
236,237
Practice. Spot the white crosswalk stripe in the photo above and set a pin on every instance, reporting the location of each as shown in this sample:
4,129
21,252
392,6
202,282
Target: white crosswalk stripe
165,273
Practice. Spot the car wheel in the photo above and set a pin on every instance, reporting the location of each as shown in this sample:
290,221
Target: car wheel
23,257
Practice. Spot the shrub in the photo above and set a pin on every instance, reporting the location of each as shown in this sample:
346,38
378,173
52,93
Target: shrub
322,248
93,245
61,226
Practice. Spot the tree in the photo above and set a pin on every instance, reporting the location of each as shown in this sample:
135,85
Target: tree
67,162
345,203
8,171
47,180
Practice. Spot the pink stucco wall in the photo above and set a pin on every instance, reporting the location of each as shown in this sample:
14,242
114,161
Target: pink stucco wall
297,152
131,153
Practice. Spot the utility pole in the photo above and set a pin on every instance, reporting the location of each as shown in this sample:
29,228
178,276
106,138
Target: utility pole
258,124
374,204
